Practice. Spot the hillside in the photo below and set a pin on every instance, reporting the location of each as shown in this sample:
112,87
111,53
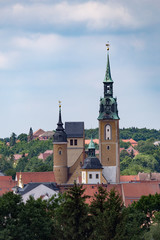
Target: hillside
126,133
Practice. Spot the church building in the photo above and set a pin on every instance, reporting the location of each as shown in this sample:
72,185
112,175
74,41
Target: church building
70,161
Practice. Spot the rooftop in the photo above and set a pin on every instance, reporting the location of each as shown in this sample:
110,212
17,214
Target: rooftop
74,129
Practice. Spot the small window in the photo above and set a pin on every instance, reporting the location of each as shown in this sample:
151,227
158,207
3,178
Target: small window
108,159
75,141
90,176
108,134
97,176
71,142
108,147
60,152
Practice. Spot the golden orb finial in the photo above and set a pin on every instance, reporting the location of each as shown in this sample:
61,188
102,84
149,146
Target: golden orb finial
59,104
107,45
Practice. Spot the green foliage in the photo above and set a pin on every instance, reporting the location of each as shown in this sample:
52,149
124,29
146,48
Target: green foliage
146,161
36,220
13,139
148,205
21,164
68,217
124,144
30,137
23,137
146,147
5,164
154,233
132,224
94,133
124,164
72,215
140,163
106,209
139,133
33,164
126,133
10,206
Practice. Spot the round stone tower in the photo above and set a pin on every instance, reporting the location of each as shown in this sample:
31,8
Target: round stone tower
60,152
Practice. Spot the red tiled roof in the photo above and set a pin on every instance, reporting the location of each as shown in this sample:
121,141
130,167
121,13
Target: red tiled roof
149,176
38,132
130,149
87,141
132,141
129,178
121,149
17,156
90,189
6,184
133,191
45,154
28,177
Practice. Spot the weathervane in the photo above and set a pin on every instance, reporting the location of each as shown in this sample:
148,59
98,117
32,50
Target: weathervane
107,45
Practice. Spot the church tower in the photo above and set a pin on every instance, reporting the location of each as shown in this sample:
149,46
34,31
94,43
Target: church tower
60,152
109,130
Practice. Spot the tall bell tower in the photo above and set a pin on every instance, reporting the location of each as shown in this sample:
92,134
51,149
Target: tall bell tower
60,152
109,130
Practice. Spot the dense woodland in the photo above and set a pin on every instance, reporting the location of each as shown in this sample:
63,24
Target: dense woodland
126,133
148,159
69,217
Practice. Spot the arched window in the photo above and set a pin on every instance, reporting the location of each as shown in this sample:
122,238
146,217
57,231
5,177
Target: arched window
108,132
60,151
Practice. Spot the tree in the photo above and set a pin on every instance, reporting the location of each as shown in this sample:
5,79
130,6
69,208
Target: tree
72,215
147,161
107,216
124,144
23,137
33,164
30,137
13,139
148,205
10,207
36,221
124,164
132,224
21,164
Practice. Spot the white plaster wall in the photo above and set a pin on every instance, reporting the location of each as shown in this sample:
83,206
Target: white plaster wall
110,173
94,180
38,192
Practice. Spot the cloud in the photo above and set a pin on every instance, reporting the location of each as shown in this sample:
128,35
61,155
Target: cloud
3,61
93,15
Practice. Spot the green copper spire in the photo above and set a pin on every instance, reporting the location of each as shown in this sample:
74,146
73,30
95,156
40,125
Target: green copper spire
108,77
108,104
91,144
91,149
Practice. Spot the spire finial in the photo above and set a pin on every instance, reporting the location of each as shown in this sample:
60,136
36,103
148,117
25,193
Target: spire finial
107,45
60,124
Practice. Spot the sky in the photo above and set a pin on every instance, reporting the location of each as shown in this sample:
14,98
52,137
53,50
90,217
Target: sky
55,50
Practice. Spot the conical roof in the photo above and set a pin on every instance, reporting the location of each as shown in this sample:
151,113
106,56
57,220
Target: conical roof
91,144
60,134
108,77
